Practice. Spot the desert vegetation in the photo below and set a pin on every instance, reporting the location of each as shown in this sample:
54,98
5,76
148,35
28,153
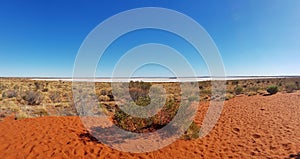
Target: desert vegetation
56,96
273,89
26,98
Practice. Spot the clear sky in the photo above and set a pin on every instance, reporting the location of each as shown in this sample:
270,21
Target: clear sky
42,38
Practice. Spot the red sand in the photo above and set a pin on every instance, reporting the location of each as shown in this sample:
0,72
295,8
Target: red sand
249,127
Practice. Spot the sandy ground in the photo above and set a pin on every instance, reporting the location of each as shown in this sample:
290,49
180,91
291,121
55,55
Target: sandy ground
249,127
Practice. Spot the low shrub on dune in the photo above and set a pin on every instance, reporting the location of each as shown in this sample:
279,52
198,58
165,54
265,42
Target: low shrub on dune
290,87
272,89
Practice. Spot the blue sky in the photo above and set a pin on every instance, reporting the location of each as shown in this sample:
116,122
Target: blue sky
42,38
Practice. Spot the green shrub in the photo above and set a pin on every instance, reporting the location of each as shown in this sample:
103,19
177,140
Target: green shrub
135,124
272,89
238,90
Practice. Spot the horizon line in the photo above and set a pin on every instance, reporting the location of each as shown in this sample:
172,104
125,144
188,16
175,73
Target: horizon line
171,77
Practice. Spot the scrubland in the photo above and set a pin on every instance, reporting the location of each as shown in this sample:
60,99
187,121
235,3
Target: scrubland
260,118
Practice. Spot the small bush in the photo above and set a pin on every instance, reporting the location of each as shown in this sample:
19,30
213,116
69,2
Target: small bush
41,112
290,87
32,97
39,85
136,93
229,96
55,97
238,90
135,124
139,90
251,93
143,101
253,89
272,89
9,94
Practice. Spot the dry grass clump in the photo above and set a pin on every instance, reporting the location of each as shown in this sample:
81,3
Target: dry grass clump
291,87
192,132
229,96
40,111
22,115
104,98
10,106
30,112
252,93
55,96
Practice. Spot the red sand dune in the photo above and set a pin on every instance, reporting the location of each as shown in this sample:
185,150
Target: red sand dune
249,127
